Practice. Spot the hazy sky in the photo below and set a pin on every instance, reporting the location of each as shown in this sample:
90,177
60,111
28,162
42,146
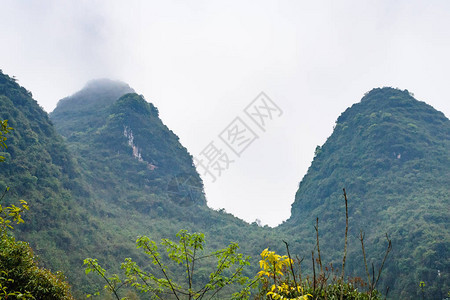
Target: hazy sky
202,62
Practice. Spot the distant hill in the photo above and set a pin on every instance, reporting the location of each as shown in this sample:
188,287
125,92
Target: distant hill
392,154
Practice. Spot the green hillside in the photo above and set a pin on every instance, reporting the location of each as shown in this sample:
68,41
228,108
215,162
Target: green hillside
127,154
39,169
134,163
109,170
116,174
142,179
392,154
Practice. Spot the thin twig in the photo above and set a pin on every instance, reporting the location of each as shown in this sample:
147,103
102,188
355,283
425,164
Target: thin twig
317,241
218,271
140,274
300,268
290,263
230,280
193,263
373,274
187,269
387,292
314,271
361,238
4,193
345,244
162,269
113,289
389,248
321,274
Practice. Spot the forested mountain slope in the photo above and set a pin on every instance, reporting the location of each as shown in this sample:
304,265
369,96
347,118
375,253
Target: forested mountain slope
142,180
40,169
125,151
392,154
117,173
139,170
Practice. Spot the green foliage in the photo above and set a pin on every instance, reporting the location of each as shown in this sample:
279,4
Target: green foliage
158,191
40,168
273,268
123,146
4,129
327,284
392,152
95,190
20,277
186,256
11,214
278,280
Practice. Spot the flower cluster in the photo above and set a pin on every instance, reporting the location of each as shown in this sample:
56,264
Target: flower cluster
273,265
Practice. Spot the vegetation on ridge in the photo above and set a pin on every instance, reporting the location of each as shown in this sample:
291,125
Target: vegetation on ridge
392,152
20,275
118,171
276,280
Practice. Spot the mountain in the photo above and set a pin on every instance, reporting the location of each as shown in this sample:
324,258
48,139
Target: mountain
38,166
84,110
141,179
104,169
115,172
40,169
392,154
123,147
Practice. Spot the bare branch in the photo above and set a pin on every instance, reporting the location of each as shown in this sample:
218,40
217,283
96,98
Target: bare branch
345,244
290,263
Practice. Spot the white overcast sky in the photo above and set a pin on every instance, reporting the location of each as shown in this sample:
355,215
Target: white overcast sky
202,62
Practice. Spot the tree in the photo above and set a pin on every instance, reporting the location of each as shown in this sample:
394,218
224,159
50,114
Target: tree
20,275
4,129
183,256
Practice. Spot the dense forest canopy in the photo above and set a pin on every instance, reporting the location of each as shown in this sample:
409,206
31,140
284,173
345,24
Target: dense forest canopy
392,153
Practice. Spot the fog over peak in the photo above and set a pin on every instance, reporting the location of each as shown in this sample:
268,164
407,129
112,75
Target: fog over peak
99,92
105,84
